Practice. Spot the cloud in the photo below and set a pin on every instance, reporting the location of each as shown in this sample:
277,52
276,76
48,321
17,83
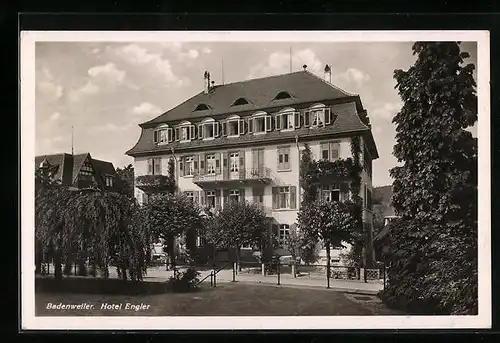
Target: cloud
47,85
108,72
55,116
191,54
96,50
353,75
206,50
146,108
139,56
386,111
111,127
279,63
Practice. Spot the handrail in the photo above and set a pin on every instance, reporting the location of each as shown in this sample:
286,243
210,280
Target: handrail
212,272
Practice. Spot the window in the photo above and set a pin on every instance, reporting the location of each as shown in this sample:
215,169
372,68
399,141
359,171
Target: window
189,195
234,162
211,199
317,118
368,198
211,164
154,166
86,169
282,95
184,133
234,195
331,192
202,107
283,234
367,162
330,151
284,197
163,135
208,130
259,125
240,101
285,121
284,159
189,166
109,181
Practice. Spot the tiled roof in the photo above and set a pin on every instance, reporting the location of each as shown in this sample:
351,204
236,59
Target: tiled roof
346,121
303,86
69,165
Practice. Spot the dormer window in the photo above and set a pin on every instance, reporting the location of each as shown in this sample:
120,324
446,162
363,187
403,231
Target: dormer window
240,101
260,123
233,127
287,119
202,107
109,181
282,95
208,129
318,116
185,132
163,134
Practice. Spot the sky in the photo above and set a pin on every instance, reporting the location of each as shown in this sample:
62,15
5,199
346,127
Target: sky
105,90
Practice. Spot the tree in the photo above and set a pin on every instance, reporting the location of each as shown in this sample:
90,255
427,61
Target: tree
434,245
126,177
236,225
328,221
174,216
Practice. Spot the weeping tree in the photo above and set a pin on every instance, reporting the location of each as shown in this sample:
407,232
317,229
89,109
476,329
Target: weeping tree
171,217
91,226
236,225
327,221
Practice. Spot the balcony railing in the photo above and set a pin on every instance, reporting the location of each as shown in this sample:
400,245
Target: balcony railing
243,175
154,183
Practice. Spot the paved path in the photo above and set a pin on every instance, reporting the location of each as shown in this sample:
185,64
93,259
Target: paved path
159,274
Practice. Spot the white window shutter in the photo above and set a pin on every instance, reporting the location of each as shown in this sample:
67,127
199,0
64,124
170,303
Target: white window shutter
170,136
193,132
268,123
200,131
216,129
277,124
327,116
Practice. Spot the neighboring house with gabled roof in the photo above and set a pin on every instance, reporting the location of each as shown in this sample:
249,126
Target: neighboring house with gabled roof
79,171
243,141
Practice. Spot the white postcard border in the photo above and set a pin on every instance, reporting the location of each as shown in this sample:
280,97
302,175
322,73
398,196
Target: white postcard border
27,73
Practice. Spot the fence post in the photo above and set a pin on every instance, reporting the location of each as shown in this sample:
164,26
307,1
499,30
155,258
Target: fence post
211,279
278,273
234,271
263,269
215,277
384,274
327,276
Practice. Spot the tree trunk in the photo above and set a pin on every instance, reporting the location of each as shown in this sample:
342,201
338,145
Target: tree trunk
238,258
57,266
123,273
328,258
38,257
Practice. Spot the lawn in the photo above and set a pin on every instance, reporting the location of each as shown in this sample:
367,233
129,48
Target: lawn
227,299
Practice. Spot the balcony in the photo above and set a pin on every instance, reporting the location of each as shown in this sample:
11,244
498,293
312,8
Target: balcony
242,177
154,183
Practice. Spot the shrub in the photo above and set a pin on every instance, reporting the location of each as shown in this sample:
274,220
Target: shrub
184,281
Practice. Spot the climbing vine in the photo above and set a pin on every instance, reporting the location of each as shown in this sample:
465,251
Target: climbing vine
313,173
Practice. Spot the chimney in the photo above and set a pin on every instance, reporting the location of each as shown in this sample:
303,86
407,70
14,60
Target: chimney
206,76
328,74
